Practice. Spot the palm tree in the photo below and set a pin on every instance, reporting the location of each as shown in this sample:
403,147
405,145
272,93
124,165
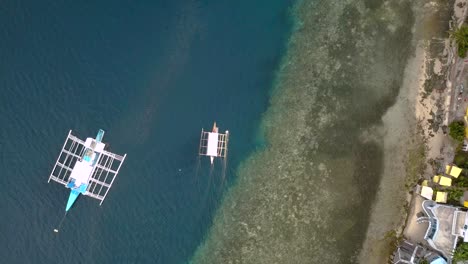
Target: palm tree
460,36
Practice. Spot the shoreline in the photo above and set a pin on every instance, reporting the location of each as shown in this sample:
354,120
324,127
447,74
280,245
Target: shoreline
388,215
424,148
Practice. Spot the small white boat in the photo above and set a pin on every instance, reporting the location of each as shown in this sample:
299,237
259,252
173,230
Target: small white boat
214,144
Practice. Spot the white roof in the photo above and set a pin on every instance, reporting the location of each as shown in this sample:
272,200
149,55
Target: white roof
81,172
427,192
212,149
439,260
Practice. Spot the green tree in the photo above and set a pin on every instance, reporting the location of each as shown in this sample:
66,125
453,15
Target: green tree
461,252
457,130
453,196
460,36
461,181
424,261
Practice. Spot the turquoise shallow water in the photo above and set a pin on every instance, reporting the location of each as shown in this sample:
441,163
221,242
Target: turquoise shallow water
151,74
306,197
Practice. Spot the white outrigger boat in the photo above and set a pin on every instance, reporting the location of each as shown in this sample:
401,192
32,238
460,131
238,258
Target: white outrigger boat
86,168
214,144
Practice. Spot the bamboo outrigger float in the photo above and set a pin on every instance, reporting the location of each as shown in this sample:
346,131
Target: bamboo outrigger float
86,168
214,144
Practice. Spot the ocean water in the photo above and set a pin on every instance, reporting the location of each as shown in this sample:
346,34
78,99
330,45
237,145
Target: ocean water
307,196
151,74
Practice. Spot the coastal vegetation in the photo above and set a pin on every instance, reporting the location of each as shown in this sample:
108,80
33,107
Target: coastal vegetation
461,181
457,130
461,159
453,196
461,252
460,36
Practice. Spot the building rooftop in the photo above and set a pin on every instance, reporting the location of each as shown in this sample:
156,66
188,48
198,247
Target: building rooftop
441,197
453,171
408,253
440,233
427,192
442,180
460,225
411,253
438,260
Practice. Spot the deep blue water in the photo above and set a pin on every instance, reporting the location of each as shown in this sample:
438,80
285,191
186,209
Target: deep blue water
151,74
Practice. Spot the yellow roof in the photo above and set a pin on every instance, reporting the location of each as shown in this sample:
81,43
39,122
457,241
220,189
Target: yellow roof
436,179
453,171
441,197
445,181
424,183
466,111
465,203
